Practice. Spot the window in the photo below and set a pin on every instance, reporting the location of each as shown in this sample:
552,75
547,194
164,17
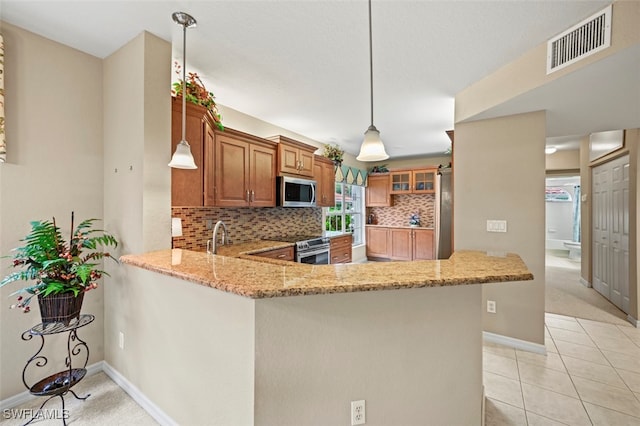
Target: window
347,215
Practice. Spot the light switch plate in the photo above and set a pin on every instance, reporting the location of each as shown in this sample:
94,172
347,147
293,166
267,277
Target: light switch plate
496,226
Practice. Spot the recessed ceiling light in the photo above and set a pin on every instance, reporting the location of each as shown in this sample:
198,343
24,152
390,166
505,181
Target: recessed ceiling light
550,150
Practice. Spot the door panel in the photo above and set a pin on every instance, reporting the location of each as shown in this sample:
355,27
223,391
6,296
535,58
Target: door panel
232,172
611,231
262,181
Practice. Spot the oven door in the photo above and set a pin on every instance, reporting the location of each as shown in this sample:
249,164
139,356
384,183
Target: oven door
314,257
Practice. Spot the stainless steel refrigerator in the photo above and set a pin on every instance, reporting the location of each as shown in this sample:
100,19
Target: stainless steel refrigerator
444,213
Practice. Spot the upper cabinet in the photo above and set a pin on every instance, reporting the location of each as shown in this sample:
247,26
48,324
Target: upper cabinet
324,175
418,181
235,169
294,158
377,192
245,171
187,186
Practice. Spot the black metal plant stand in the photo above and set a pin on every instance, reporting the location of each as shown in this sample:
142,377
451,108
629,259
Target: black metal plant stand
59,384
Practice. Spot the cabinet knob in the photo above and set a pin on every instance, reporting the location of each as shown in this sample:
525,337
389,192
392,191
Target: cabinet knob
282,255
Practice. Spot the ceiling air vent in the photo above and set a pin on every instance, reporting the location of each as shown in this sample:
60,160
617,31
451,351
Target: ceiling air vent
582,40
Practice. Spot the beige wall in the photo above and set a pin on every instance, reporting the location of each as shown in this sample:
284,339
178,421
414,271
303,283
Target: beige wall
510,187
414,162
209,357
530,68
563,161
585,213
54,136
137,119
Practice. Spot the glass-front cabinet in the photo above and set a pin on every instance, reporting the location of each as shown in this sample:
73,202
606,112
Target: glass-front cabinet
424,181
417,181
401,182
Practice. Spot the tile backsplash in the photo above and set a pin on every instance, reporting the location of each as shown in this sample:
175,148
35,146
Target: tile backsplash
404,205
244,224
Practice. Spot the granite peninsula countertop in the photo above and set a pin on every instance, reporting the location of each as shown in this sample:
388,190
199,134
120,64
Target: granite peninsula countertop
235,270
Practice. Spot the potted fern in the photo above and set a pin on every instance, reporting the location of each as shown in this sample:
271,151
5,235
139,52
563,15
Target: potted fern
59,271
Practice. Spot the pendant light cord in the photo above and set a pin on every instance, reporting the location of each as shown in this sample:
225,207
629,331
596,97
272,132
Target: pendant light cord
184,82
371,61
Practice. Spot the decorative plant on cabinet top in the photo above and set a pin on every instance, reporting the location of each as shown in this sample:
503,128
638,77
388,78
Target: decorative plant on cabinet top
197,94
333,152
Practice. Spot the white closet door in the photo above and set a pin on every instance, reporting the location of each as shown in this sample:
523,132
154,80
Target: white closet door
601,212
611,231
619,233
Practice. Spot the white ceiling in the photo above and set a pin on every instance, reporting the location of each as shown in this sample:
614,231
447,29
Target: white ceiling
303,65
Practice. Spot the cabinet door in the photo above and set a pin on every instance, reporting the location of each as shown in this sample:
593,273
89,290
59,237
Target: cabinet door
423,244
377,242
401,182
289,161
187,185
325,180
424,181
377,192
329,184
401,243
262,176
232,172
306,163
209,166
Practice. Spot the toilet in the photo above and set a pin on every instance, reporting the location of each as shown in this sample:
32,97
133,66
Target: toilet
575,249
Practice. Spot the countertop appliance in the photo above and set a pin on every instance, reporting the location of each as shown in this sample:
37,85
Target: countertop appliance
295,192
313,250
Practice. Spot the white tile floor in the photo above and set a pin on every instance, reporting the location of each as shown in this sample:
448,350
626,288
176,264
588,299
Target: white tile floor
590,376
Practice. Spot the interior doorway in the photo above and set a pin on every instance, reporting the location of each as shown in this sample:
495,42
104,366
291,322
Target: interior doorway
565,294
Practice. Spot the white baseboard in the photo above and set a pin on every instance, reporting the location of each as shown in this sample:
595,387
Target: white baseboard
23,397
514,343
634,322
139,397
585,283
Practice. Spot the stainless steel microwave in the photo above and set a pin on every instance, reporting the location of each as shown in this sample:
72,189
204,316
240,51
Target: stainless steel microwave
295,192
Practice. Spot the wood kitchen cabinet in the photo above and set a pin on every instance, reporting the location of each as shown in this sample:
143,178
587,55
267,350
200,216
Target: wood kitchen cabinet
244,173
340,249
377,192
423,244
414,181
324,175
187,186
294,158
399,243
285,253
377,242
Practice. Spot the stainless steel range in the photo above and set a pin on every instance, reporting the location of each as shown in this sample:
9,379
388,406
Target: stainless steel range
313,250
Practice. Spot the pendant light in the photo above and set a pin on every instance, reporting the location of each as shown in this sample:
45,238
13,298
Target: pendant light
182,158
372,148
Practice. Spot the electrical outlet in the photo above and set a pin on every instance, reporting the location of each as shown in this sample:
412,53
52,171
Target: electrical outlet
357,413
209,223
491,306
121,340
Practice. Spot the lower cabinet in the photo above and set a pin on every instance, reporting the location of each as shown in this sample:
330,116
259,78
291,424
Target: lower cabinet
341,249
281,254
389,243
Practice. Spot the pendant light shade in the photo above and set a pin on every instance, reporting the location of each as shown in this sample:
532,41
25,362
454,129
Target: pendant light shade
182,158
372,148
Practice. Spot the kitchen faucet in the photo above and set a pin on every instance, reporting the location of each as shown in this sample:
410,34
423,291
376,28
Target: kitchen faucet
225,234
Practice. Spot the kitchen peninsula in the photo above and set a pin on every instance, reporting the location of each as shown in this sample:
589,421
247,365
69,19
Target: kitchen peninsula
263,341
